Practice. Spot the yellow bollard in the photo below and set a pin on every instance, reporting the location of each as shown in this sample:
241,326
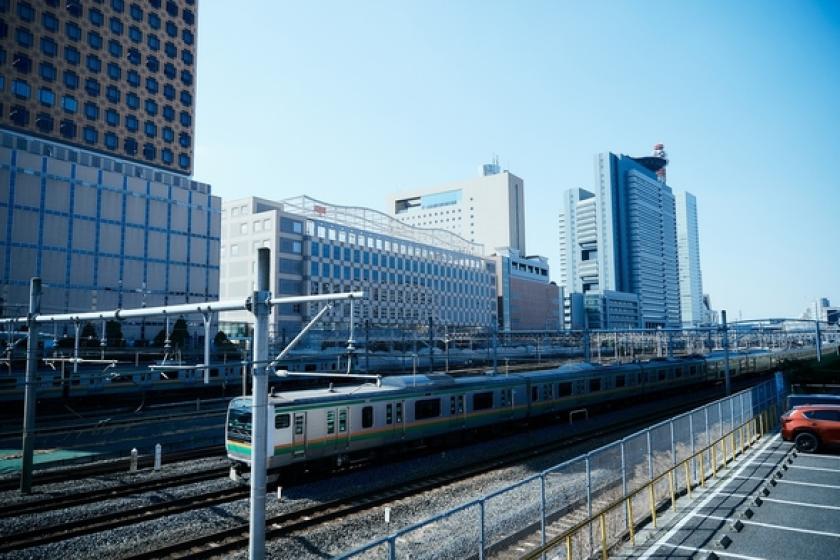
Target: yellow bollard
702,469
652,498
688,480
673,491
714,460
631,521
568,547
602,520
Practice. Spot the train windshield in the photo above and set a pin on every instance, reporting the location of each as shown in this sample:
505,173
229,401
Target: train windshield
239,423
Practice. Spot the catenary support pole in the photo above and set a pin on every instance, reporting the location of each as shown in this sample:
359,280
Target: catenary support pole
259,303
819,342
29,399
727,380
206,317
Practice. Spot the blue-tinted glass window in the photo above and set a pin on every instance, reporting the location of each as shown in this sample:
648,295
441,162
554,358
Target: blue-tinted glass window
22,63
188,36
91,111
168,134
153,42
170,50
90,135
25,11
169,91
133,78
132,100
186,98
151,85
116,25
49,21
115,48
48,46
151,107
114,71
150,129
4,28
186,77
118,5
46,97
131,123
113,94
111,141
130,146
71,55
166,156
71,79
171,29
336,252
187,57
135,34
73,31
184,161
149,151
184,140
94,63
21,89
171,8
19,115
186,118
23,36
154,21
136,12
96,17
152,63
92,87
47,71
44,122
74,7
169,70
95,40
67,128
69,104
325,251
112,117
134,56
189,17
168,113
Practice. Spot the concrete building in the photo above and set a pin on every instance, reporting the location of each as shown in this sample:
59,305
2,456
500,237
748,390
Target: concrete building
528,299
603,311
489,209
688,249
409,273
621,237
96,124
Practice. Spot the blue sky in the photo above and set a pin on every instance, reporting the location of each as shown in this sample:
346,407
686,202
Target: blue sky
346,101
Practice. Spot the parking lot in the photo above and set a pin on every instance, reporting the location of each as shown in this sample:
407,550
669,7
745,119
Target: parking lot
774,504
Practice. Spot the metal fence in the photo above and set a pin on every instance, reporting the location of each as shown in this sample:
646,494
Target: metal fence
582,503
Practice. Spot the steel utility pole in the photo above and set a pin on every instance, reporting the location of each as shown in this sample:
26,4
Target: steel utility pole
29,398
727,380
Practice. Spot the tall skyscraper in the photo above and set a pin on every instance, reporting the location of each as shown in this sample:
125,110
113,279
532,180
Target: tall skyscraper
489,209
96,121
688,246
621,237
112,76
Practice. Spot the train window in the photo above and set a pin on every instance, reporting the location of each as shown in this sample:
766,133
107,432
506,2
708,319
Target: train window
451,406
661,375
299,425
367,417
482,401
460,404
619,381
692,370
399,413
330,422
547,392
535,393
594,385
389,414
342,421
564,389
503,402
678,372
281,421
428,408
214,372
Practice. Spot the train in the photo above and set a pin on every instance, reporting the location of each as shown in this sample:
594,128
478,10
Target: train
338,424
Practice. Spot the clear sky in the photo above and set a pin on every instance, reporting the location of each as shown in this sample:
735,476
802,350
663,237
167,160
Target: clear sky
346,101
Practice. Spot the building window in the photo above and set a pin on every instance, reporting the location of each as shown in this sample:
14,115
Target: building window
91,111
113,94
73,31
171,29
46,97
168,134
135,35
95,40
69,104
71,55
184,161
136,12
151,107
130,146
19,115
187,57
71,79
151,85
115,48
186,119
21,89
114,71
94,64
44,122
150,129
67,128
184,140
112,117
111,141
166,156
133,78
170,50
47,71
22,63
169,91
90,135
154,21
188,36
48,46
49,21
74,8
23,37
132,100
186,98
170,72
149,151
96,17
118,5
25,11
152,63
186,77
131,123
168,113
116,26
92,87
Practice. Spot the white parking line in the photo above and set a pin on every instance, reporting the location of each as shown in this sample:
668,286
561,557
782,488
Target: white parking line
783,481
772,526
717,552
778,501
679,524
798,467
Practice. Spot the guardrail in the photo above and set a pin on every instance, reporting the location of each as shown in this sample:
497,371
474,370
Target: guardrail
564,507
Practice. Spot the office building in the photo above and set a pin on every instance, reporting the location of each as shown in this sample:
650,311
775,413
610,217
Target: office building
96,126
489,209
603,311
688,249
113,77
528,300
409,274
621,237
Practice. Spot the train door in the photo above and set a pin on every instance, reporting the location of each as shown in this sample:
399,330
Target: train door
299,435
399,419
456,411
343,439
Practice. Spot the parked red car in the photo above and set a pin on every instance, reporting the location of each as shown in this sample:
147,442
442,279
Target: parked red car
812,426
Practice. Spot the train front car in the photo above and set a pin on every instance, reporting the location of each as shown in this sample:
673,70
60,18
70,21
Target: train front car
238,430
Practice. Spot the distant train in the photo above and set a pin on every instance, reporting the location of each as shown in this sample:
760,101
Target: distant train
340,423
